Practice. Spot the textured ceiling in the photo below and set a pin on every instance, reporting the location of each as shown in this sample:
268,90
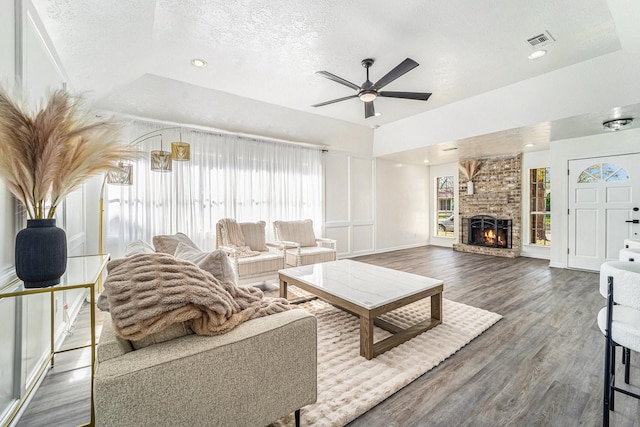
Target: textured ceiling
268,50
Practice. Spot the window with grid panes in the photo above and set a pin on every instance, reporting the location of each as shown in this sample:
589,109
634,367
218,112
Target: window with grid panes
540,206
444,203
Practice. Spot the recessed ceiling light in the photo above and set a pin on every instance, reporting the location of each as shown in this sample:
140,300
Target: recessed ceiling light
378,114
530,145
197,62
538,54
425,161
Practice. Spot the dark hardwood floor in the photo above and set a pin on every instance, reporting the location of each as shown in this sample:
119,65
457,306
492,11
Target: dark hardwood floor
541,365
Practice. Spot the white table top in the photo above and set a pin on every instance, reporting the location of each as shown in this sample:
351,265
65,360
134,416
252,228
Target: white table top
363,284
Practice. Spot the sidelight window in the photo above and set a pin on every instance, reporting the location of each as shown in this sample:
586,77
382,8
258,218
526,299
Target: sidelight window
444,218
540,206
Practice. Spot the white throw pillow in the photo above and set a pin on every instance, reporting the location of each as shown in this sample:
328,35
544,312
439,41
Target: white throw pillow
217,262
138,247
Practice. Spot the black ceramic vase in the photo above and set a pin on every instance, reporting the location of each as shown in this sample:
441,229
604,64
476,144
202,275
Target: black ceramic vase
41,253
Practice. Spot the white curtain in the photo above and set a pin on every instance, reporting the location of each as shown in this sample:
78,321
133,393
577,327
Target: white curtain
228,176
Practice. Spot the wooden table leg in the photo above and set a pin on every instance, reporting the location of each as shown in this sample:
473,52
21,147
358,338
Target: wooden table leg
283,289
436,306
366,338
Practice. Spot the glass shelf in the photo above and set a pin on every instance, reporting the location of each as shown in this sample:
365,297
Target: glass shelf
82,272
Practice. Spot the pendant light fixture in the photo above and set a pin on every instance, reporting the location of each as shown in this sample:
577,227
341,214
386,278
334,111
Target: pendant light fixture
180,151
160,159
122,176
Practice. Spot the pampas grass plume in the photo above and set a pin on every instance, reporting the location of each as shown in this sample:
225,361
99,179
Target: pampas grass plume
47,153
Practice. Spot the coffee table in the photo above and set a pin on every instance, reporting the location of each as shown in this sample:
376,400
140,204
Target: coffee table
368,291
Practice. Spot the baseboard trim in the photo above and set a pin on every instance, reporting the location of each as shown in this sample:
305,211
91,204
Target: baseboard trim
399,248
380,251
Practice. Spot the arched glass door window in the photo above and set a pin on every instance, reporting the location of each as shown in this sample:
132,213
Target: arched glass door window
607,172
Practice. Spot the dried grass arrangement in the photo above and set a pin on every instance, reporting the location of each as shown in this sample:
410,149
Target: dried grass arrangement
49,152
470,168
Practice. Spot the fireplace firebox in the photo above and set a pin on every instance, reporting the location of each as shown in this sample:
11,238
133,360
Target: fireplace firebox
485,230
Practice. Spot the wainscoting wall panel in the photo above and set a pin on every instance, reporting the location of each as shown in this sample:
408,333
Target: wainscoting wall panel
341,235
349,202
374,205
336,188
363,239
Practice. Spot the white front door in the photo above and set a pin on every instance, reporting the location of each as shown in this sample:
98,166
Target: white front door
604,200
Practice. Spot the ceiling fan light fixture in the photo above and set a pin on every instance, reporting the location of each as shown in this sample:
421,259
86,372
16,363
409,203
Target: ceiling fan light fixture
367,95
369,91
617,124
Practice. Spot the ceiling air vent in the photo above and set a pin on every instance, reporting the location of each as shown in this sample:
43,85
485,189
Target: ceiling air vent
540,40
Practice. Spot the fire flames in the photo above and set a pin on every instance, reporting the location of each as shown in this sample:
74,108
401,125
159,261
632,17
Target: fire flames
490,238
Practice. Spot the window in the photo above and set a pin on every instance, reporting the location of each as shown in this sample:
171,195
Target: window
602,172
444,203
540,206
229,176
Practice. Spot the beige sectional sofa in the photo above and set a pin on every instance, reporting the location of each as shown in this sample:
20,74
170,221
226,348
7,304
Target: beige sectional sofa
257,373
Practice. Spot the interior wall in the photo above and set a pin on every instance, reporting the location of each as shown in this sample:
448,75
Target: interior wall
7,73
7,222
606,144
435,171
402,205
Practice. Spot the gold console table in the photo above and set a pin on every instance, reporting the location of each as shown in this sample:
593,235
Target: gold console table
82,272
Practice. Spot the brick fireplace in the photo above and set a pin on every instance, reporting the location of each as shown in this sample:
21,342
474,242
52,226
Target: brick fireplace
497,194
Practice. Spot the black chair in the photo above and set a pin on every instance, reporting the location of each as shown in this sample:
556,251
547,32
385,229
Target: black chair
620,323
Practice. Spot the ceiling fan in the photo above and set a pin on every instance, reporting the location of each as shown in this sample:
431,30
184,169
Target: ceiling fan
370,91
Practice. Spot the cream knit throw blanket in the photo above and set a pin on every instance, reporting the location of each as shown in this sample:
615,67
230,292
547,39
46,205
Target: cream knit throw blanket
232,237
149,292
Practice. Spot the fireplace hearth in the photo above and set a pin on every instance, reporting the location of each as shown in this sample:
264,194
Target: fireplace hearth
487,231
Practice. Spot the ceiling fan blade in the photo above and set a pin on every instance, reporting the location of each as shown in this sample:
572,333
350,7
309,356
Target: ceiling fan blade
369,110
401,69
335,100
340,80
420,96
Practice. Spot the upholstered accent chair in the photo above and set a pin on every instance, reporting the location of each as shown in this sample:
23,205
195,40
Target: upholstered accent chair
300,244
253,259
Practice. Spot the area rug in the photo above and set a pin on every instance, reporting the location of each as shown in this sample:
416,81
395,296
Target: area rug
349,385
